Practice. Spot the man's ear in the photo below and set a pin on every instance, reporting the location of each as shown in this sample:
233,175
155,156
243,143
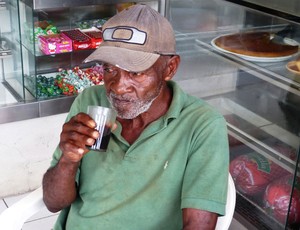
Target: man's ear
173,64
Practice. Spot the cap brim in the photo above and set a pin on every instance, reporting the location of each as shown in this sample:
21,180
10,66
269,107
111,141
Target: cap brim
130,60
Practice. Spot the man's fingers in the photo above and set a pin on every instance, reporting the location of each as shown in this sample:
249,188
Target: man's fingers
84,119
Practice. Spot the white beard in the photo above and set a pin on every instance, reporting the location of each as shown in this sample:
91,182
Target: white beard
138,106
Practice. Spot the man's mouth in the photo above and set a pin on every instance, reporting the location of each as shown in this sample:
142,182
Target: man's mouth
121,100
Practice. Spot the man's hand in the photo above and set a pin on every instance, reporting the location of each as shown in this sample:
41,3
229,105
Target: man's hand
77,134
59,187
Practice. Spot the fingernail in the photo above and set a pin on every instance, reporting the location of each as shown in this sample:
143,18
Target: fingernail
80,151
95,134
90,141
91,124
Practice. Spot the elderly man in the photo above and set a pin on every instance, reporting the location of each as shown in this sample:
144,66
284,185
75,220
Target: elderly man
166,165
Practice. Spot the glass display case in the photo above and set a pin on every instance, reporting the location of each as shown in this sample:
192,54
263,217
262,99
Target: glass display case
56,37
41,77
11,87
258,95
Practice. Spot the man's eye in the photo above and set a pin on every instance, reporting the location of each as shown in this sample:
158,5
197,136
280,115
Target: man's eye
108,70
138,76
136,73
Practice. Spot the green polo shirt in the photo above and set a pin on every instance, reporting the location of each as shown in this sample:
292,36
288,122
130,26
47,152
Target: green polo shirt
179,161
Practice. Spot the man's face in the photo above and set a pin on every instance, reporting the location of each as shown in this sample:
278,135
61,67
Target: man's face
131,94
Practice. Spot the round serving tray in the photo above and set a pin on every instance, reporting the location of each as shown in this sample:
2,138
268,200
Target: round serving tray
288,41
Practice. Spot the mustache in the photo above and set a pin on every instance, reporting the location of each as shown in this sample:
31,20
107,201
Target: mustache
114,96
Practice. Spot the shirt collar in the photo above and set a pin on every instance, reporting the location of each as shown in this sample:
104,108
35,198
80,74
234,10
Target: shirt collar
178,101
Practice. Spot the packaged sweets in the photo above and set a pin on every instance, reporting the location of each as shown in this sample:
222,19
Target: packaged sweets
40,28
87,24
252,173
95,35
80,40
55,43
277,200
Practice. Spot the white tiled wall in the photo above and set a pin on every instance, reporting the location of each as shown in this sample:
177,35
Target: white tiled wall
26,148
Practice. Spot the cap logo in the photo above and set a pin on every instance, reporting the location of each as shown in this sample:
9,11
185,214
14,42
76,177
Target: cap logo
125,34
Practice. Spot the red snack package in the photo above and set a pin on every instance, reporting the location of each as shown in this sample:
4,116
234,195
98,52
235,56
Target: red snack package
80,40
96,38
277,199
253,172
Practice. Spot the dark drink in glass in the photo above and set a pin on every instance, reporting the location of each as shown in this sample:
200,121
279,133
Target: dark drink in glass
104,118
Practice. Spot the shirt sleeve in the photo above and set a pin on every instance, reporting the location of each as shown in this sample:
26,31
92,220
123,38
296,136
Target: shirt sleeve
206,177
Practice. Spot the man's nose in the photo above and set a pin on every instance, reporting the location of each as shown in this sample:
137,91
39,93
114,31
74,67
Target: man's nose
122,84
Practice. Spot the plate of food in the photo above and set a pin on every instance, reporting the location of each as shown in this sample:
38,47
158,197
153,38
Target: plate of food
294,66
256,46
